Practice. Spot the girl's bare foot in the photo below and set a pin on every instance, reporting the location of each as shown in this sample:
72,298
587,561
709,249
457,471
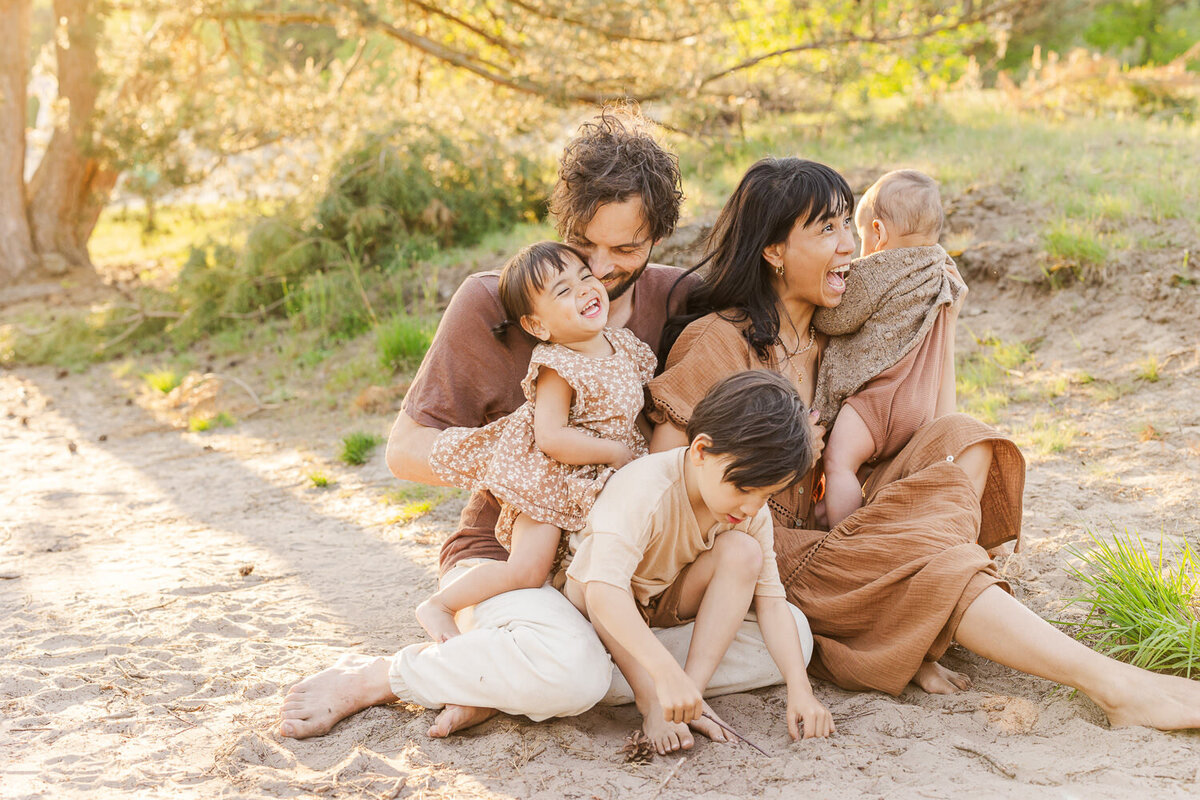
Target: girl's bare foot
437,620
1140,697
936,679
454,718
317,703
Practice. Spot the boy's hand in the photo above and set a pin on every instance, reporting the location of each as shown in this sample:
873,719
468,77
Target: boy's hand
678,696
803,706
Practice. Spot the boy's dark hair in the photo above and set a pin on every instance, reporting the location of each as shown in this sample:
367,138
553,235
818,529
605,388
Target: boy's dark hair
526,274
758,419
610,159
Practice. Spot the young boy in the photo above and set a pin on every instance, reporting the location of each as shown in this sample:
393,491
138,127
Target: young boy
888,370
687,534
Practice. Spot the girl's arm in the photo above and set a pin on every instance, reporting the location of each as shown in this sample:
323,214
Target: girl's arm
779,632
613,610
560,441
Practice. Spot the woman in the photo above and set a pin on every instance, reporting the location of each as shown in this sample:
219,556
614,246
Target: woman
887,590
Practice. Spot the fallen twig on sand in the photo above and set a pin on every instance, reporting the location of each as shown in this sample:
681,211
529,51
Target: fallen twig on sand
670,775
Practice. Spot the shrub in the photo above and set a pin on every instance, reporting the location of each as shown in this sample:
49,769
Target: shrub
402,341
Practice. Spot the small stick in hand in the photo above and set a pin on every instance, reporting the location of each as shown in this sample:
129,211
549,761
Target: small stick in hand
728,729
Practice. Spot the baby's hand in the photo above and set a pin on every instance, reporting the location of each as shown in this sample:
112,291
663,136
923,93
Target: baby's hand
804,707
818,434
678,696
622,455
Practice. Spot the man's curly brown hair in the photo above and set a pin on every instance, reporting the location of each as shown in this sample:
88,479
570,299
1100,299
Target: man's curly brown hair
610,159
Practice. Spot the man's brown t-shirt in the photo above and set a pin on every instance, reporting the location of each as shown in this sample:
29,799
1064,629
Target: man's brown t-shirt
470,378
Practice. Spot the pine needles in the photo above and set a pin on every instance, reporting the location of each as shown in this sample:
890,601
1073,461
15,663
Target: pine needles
1142,611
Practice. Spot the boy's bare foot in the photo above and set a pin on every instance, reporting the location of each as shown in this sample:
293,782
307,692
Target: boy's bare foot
454,718
710,728
936,679
437,620
1140,697
671,736
317,703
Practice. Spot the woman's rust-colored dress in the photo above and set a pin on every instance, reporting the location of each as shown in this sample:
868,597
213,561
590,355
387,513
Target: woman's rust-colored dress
884,590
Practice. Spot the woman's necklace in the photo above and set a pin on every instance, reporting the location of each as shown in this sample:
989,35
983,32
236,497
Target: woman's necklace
812,337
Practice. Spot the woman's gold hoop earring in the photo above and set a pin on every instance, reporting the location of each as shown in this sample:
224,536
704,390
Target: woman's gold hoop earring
779,270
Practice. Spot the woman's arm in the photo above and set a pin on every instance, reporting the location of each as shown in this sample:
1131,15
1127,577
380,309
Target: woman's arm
667,437
779,632
557,439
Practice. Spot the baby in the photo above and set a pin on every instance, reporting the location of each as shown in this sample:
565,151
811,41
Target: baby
546,461
687,534
881,376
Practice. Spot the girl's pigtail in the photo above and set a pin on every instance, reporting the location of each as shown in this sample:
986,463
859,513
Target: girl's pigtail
501,331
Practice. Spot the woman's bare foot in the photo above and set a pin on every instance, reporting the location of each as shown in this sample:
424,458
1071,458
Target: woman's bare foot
936,679
317,703
1140,697
437,620
454,718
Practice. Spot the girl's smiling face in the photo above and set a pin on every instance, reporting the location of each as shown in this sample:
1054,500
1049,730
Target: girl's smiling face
814,258
572,307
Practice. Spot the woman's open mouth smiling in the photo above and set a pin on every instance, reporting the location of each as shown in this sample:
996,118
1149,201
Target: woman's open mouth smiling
836,278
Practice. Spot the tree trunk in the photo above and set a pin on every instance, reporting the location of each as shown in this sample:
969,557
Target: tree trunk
17,258
71,186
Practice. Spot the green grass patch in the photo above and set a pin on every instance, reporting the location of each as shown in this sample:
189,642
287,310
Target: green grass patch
1047,435
163,380
983,377
357,447
415,501
199,424
1143,610
403,340
1148,370
319,479
1107,391
1074,243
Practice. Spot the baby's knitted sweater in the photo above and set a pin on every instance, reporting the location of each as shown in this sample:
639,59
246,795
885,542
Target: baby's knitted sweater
892,299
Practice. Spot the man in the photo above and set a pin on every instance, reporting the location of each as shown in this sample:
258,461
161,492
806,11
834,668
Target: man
527,652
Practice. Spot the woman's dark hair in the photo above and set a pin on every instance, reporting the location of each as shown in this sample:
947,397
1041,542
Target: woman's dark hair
774,195
611,159
526,274
756,418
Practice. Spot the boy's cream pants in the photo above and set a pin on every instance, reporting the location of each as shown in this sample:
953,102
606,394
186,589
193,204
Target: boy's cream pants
531,652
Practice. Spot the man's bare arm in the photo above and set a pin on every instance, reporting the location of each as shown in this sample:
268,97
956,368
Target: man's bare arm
408,449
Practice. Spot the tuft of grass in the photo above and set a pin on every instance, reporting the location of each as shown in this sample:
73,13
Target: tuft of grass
1107,391
357,447
1075,243
164,380
1148,370
1046,435
319,479
1142,611
415,501
983,377
403,340
199,424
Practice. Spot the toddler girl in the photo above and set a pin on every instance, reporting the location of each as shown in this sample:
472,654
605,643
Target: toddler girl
546,461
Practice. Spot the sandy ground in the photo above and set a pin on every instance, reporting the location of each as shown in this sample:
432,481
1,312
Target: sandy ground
160,590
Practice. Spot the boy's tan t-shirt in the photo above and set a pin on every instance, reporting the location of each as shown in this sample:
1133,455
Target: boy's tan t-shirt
642,532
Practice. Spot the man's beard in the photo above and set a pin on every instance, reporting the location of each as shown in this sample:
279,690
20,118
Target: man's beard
624,286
